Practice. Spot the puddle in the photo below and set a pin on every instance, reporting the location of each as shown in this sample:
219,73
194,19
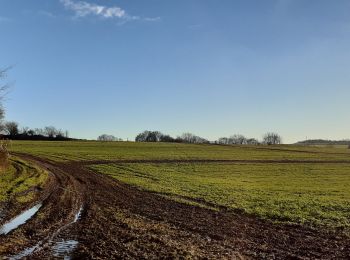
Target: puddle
24,253
64,248
19,220
61,249
78,215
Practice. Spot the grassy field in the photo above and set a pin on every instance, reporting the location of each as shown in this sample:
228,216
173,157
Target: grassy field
308,194
19,180
62,151
314,194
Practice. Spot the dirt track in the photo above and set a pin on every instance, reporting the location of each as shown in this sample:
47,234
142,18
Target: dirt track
119,221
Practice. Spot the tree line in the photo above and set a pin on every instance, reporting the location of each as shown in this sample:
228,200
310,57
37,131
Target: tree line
269,138
11,130
156,136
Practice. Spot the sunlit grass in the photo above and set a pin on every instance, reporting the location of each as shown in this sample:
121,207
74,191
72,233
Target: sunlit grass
19,179
61,151
309,194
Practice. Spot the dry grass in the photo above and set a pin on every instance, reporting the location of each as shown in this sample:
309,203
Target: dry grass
4,154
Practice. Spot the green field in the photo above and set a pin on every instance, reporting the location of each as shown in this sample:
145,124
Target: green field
308,194
62,151
19,180
314,194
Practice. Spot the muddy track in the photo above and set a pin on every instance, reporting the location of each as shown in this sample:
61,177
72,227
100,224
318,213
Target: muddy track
119,221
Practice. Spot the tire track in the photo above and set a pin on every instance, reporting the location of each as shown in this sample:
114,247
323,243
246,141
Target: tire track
120,221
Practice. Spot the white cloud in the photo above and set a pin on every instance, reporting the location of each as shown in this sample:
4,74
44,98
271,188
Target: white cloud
152,19
82,9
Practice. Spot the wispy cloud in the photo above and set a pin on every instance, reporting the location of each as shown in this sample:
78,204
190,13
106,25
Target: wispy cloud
194,26
46,13
152,19
83,9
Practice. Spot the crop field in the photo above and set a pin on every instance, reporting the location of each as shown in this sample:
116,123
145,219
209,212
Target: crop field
312,194
180,200
20,180
297,193
77,151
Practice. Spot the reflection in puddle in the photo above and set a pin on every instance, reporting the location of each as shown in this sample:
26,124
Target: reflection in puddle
19,220
61,249
78,215
24,253
64,248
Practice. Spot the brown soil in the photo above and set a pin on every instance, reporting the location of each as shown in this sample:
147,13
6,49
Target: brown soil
119,222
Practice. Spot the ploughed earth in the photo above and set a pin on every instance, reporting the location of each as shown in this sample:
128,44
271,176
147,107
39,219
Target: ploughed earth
82,214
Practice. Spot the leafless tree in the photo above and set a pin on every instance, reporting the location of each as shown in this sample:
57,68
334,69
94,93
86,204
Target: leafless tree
107,138
24,130
3,90
39,131
4,154
272,138
224,140
150,136
188,138
50,131
252,141
238,139
192,139
11,128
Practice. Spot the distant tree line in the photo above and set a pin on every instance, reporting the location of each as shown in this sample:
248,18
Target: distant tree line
11,130
156,136
109,138
325,142
238,139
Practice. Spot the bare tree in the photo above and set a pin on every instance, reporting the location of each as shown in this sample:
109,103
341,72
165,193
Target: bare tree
107,138
188,138
3,90
252,141
238,139
272,138
4,154
25,130
11,128
149,136
192,139
50,131
223,140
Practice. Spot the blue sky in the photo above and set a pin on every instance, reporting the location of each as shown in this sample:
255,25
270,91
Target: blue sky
214,68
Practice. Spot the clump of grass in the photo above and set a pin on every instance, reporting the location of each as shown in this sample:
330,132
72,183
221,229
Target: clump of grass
4,154
20,180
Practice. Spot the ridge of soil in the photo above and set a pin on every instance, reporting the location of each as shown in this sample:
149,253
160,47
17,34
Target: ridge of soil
120,221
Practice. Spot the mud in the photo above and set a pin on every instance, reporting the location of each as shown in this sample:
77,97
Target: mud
19,220
118,221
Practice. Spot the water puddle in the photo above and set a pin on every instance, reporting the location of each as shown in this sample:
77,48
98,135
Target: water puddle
24,253
19,220
61,249
64,248
78,215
